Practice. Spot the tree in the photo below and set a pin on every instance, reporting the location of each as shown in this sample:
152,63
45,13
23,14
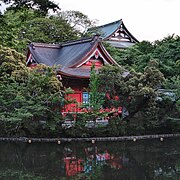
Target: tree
96,97
165,52
136,91
30,99
77,20
41,6
19,28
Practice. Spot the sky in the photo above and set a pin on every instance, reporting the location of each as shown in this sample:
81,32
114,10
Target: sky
146,19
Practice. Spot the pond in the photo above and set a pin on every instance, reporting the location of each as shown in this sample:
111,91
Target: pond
140,160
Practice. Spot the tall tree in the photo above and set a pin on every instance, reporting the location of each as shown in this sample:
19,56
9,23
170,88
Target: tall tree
77,20
136,91
42,6
96,97
19,28
165,51
27,96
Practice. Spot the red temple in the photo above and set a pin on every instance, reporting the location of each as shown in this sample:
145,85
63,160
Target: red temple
75,59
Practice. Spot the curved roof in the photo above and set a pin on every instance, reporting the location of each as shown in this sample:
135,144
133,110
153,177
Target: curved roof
108,33
65,54
108,29
122,44
68,55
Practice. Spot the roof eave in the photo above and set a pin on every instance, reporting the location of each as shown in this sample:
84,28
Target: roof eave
130,33
108,55
120,22
93,47
73,76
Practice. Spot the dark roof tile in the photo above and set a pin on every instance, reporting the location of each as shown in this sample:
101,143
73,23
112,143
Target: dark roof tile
68,55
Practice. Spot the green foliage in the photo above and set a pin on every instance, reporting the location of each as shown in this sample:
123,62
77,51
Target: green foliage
147,63
96,97
136,91
41,6
174,85
165,52
77,20
30,99
23,26
18,174
117,127
49,30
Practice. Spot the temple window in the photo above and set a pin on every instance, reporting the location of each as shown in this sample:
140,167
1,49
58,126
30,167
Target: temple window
85,98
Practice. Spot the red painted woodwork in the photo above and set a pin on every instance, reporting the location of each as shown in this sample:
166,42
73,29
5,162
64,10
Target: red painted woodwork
96,54
78,86
33,65
74,71
73,107
73,165
97,63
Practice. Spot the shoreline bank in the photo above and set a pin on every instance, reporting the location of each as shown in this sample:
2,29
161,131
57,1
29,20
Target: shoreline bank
90,139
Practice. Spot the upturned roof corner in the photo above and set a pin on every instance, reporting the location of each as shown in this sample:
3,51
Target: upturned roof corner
70,55
115,33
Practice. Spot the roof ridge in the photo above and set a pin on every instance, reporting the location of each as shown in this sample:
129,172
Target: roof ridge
67,43
45,45
106,24
82,40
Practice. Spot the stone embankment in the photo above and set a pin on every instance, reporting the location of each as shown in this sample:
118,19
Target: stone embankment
92,139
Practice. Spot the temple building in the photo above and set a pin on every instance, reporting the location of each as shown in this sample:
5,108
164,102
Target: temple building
116,34
74,59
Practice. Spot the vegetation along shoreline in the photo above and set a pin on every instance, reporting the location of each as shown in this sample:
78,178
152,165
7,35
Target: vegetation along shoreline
61,75
90,139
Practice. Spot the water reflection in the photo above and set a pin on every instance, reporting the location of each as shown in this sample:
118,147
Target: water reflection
94,156
113,160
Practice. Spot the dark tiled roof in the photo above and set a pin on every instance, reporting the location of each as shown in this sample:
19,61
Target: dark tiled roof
121,44
67,55
44,53
107,29
77,72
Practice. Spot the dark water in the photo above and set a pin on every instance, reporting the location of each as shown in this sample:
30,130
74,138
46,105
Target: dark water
147,159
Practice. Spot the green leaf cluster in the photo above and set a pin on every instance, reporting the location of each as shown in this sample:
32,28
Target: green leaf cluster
40,6
96,97
166,52
18,28
136,91
30,99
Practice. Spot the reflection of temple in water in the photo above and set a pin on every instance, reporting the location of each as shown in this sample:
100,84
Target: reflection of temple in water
94,157
73,165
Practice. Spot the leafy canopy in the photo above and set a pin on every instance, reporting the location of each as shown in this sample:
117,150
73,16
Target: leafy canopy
135,91
28,96
18,28
41,6
166,52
